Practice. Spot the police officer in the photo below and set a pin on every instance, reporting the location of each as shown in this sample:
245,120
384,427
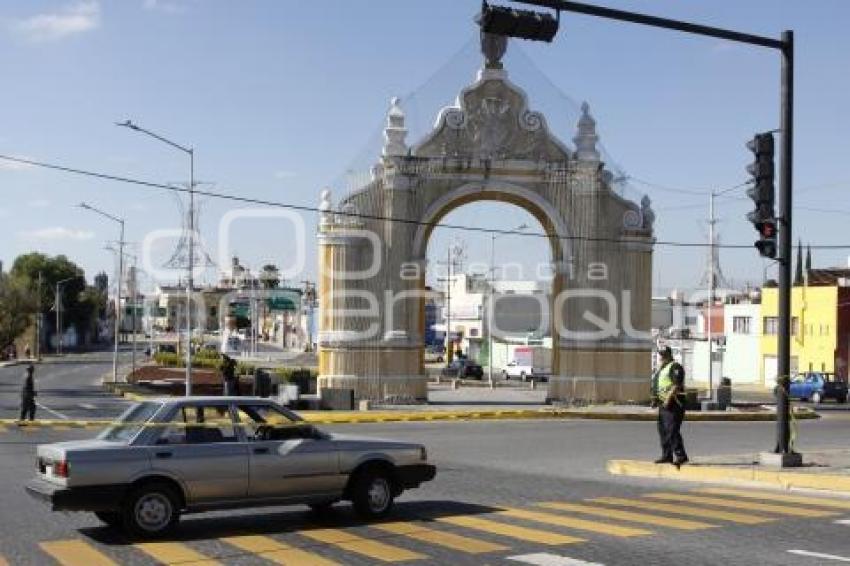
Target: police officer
28,395
668,394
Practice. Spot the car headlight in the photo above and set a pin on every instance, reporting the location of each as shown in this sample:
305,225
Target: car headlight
423,454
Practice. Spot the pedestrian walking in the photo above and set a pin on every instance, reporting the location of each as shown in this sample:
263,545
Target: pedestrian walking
668,394
28,395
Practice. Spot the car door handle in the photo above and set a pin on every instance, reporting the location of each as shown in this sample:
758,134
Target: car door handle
163,454
261,450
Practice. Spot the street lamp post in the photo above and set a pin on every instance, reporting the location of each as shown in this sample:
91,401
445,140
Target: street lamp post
58,305
120,221
492,311
191,263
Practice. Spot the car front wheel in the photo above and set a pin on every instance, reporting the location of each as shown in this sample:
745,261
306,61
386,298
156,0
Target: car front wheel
372,495
151,511
816,398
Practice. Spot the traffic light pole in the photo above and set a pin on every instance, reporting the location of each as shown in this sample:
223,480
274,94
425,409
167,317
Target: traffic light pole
783,430
782,454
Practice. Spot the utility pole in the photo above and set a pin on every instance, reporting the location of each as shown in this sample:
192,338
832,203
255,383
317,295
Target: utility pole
39,322
711,286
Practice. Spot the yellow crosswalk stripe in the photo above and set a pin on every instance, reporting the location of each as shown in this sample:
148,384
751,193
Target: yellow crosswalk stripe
682,524
817,501
580,524
512,531
277,552
175,552
689,511
75,553
738,504
360,545
440,538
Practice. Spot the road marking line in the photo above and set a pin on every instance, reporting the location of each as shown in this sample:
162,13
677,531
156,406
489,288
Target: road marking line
512,531
440,538
842,522
546,559
816,501
360,545
52,412
820,555
737,504
658,520
175,552
580,524
277,552
75,553
687,511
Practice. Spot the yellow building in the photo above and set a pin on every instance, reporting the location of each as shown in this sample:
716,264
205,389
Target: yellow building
820,321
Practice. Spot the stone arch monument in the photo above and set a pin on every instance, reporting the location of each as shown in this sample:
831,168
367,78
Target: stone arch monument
488,146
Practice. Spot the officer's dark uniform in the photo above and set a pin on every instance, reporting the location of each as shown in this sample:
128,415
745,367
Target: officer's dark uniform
28,396
671,409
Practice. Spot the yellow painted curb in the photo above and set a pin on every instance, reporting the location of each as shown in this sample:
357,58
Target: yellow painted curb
727,474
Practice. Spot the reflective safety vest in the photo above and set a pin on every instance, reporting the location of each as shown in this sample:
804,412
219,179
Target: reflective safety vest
662,381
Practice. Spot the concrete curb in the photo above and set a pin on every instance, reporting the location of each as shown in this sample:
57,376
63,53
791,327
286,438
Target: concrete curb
366,417
751,476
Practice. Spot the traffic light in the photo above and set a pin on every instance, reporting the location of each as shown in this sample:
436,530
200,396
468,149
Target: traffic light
524,24
763,193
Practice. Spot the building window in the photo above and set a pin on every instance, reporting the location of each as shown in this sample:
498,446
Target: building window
690,321
771,326
473,332
795,326
741,324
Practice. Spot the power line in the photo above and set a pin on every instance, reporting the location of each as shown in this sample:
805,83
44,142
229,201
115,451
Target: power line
313,209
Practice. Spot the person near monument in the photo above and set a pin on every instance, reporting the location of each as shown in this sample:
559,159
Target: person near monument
668,394
228,375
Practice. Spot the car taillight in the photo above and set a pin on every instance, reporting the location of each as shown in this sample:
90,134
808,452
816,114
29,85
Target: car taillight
61,469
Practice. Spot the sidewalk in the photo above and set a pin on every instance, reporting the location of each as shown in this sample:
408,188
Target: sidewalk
827,470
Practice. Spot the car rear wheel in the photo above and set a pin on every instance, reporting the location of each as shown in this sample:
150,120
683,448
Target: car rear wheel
816,397
111,518
522,377
151,511
372,494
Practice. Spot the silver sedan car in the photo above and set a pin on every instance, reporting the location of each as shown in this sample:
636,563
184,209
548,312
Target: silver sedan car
167,457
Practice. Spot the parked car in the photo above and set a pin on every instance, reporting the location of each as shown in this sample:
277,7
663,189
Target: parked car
462,368
231,346
817,386
434,355
168,457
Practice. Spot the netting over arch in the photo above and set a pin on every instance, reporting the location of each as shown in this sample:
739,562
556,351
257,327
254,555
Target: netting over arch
440,90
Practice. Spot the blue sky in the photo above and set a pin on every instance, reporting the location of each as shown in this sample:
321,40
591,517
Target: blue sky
282,98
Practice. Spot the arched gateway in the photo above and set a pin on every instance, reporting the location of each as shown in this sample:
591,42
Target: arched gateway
488,146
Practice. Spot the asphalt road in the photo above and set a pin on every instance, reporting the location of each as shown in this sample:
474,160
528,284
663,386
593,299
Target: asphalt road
483,508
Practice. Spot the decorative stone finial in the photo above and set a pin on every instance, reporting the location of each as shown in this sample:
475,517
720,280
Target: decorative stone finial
586,137
395,132
647,213
326,207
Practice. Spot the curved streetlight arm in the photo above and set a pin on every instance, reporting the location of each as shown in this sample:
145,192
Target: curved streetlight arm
129,124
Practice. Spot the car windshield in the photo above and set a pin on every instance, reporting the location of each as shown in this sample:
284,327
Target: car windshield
130,423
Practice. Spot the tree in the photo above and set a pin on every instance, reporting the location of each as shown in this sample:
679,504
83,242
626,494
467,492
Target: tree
270,276
17,305
79,306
